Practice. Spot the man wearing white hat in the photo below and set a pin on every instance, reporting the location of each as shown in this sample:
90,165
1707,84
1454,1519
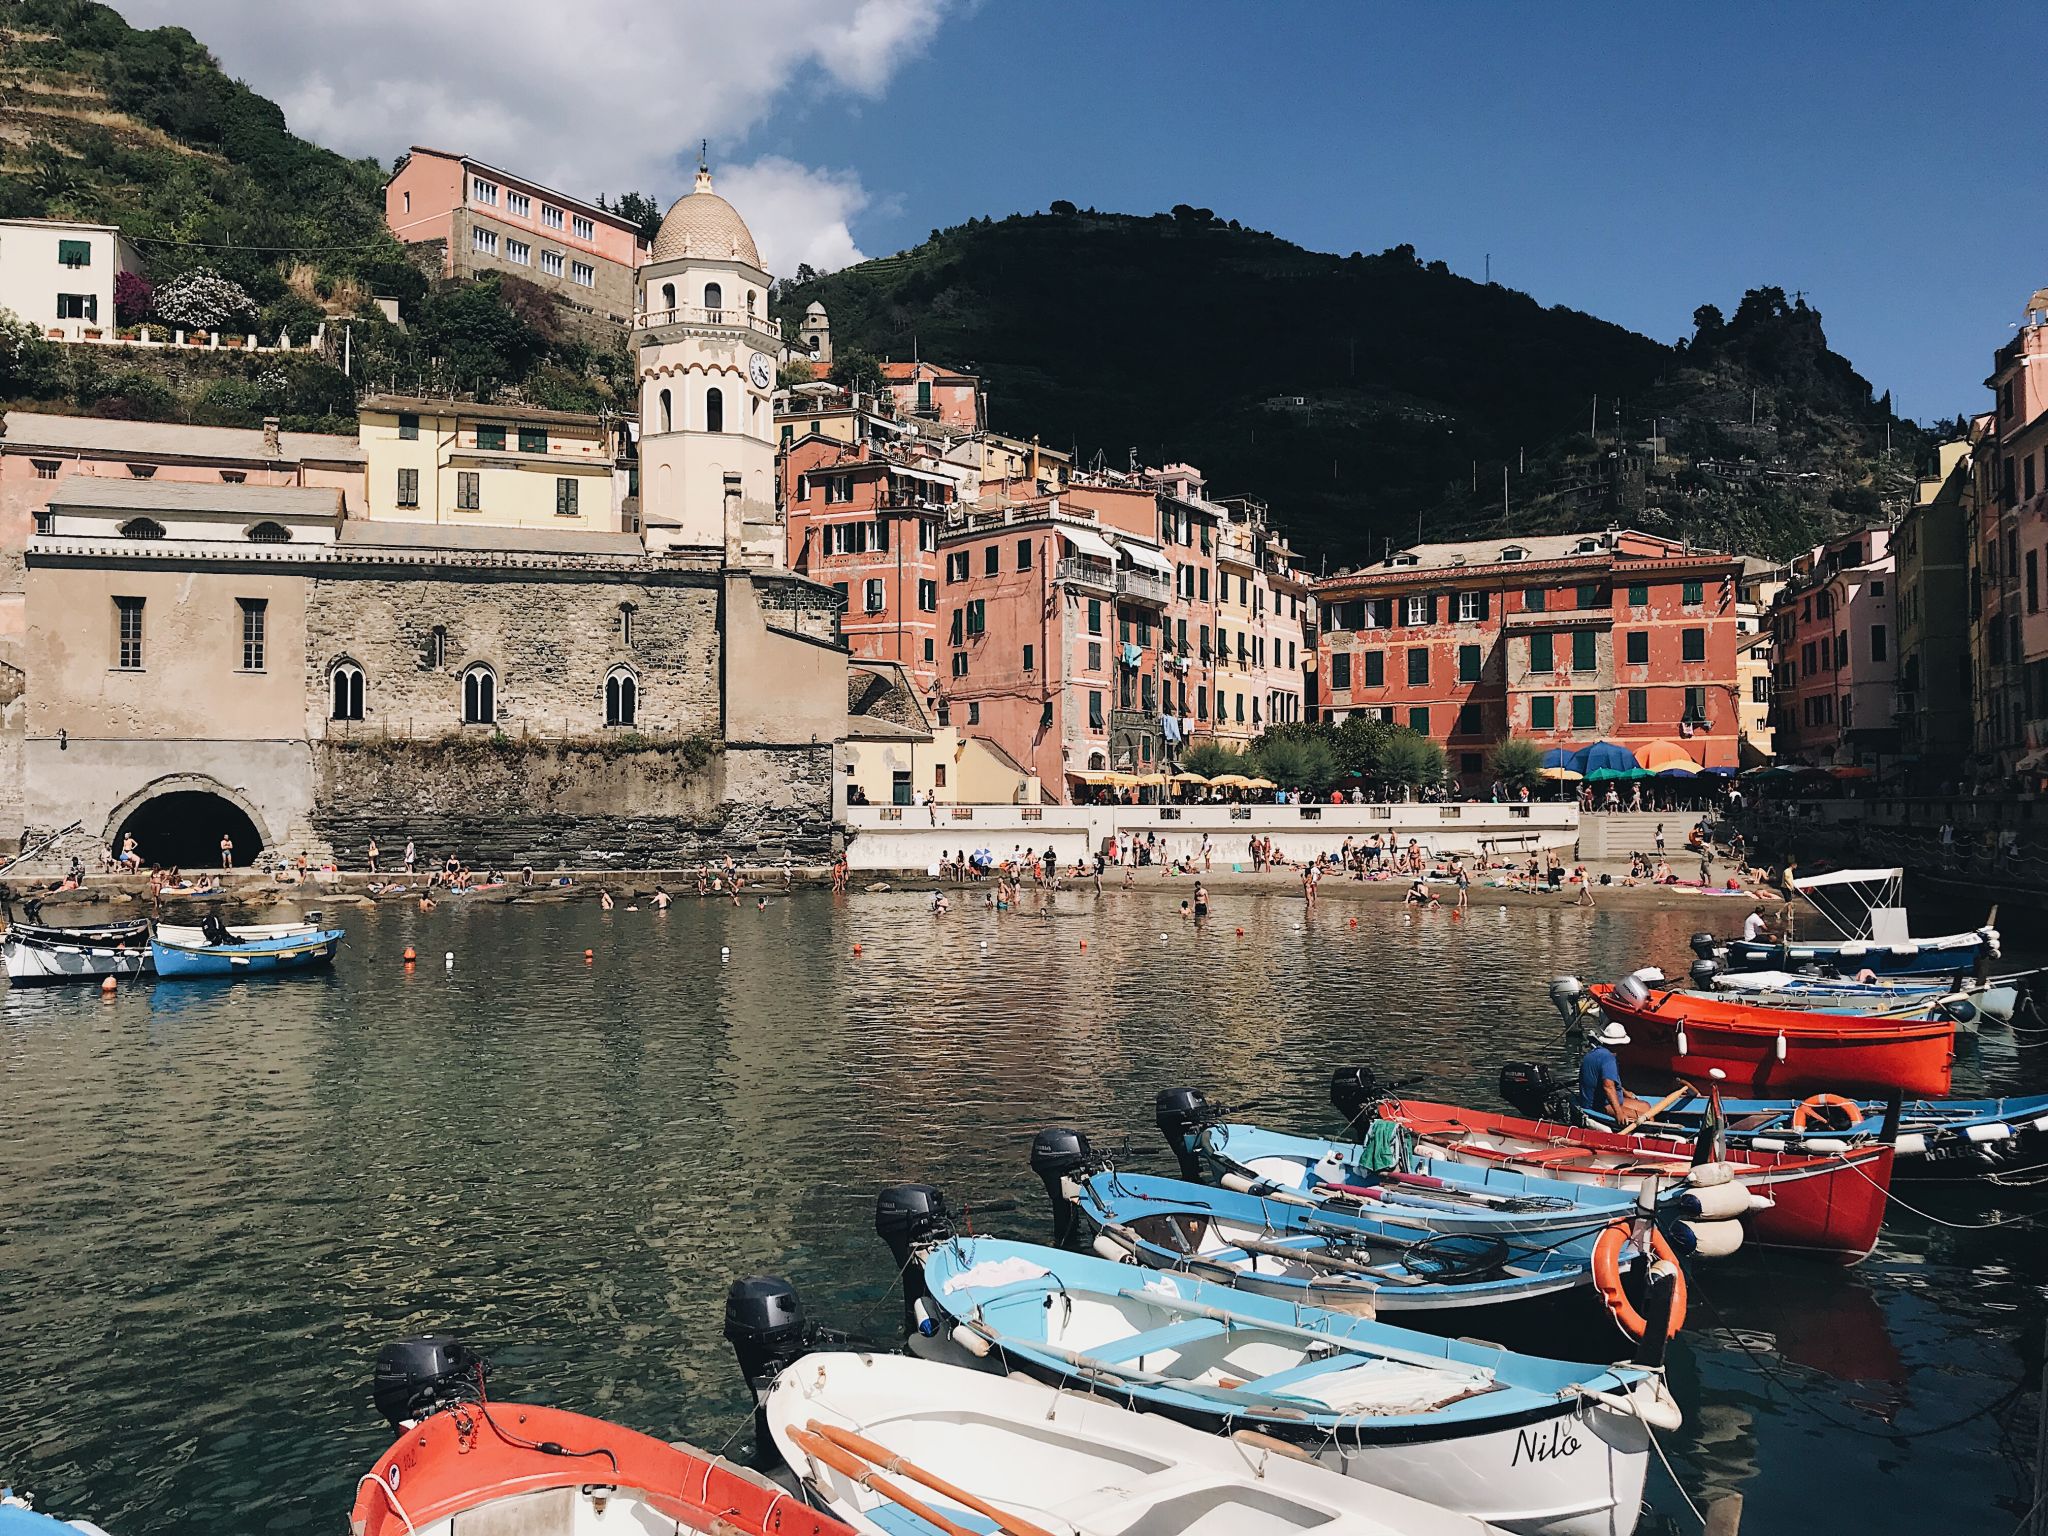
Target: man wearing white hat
1600,1090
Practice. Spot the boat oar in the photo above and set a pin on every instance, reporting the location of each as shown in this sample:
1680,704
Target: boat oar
821,1450
882,1456
1682,1091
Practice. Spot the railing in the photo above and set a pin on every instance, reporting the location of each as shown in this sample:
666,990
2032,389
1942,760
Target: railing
1145,587
685,314
85,333
1086,573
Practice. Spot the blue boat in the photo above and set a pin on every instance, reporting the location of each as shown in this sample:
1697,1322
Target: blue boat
1441,1196
1532,1445
1279,1245
19,1518
263,956
1867,905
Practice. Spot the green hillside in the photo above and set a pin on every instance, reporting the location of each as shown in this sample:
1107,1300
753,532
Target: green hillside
1360,393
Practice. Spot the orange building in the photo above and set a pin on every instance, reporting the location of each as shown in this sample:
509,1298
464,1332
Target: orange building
932,393
1563,639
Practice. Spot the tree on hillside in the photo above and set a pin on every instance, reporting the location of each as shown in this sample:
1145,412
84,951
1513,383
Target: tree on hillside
1516,762
858,371
202,300
640,208
477,338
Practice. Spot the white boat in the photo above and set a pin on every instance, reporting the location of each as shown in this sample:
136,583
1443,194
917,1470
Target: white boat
192,936
20,1518
876,1435
34,953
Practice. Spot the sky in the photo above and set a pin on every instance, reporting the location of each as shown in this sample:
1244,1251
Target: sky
1635,161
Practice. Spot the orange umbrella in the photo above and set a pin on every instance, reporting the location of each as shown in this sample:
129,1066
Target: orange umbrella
1660,755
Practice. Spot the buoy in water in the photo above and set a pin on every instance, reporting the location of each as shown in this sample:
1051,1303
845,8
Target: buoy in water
449,959
109,985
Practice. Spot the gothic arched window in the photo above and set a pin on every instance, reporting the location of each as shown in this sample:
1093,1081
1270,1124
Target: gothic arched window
479,696
621,697
714,410
346,686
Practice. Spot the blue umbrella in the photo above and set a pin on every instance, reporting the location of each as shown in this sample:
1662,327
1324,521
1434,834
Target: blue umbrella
1607,754
1677,773
1564,757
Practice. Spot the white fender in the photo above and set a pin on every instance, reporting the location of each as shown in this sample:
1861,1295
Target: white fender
1910,1144
970,1341
1825,1144
1709,1174
1721,1203
1654,1404
1109,1247
1781,1045
1992,1132
1681,1042
1236,1181
1767,1143
1715,1239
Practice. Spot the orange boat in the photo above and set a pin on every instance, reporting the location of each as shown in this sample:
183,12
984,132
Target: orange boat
1778,1051
547,1472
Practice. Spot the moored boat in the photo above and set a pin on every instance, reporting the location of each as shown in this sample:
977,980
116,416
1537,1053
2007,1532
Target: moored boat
1867,905
464,1463
223,953
1328,1257
36,953
881,1437
20,1517
1536,1446
1830,1205
1683,1034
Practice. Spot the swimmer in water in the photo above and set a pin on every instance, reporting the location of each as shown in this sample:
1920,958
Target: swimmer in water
604,900
660,900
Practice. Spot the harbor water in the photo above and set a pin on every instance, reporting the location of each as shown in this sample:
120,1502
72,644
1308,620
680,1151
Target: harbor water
218,1200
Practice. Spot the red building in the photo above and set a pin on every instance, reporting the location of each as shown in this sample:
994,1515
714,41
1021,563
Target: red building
1563,639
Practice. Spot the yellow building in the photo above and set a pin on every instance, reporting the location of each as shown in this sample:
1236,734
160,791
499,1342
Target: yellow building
1755,654
506,466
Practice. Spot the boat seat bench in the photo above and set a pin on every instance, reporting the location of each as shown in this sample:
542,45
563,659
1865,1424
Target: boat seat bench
1154,1340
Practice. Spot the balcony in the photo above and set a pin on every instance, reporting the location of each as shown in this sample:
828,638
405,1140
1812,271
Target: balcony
1144,587
1086,573
760,325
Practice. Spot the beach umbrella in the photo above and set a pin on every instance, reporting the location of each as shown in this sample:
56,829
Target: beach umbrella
1231,781
1564,757
1660,755
1677,771
1184,777
1562,773
1606,754
1261,784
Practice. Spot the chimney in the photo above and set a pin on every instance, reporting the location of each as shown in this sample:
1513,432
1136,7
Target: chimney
270,443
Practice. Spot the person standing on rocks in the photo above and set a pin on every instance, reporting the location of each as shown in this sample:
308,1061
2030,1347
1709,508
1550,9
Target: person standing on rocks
227,851
411,855
371,851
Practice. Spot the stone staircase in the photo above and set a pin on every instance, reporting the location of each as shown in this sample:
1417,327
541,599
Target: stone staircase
1617,834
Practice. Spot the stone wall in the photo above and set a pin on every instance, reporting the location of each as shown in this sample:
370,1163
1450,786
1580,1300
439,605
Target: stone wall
550,636
623,803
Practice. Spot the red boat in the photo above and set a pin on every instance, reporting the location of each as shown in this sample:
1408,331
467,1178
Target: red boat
1774,1052
547,1472
1831,1206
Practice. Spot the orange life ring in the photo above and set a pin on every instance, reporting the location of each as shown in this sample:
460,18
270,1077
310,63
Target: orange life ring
1806,1109
1607,1278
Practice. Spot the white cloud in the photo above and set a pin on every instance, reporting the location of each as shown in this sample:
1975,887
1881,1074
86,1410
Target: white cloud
603,96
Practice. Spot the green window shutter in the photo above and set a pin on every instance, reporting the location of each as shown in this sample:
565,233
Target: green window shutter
1638,647
1695,593
1418,720
490,437
1542,713
1534,599
1693,644
74,253
1468,663
1375,669
1585,650
1418,666
1639,596
1542,653
533,439
1585,712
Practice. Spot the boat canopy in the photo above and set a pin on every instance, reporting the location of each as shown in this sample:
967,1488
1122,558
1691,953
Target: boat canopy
1862,903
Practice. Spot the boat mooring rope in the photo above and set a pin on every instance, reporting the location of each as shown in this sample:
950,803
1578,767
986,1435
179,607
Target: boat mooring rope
391,1497
1960,1226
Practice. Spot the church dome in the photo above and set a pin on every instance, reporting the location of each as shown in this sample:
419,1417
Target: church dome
705,224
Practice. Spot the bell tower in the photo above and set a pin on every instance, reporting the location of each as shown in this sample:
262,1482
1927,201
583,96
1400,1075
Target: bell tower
705,351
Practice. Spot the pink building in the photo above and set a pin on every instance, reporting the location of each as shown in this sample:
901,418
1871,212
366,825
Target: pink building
488,220
37,452
933,393
1835,650
2013,623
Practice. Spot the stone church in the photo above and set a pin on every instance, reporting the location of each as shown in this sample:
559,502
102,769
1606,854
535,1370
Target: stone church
261,663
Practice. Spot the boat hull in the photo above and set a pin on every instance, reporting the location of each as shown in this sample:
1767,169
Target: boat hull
1923,957
1829,1207
31,964
1770,1051
264,957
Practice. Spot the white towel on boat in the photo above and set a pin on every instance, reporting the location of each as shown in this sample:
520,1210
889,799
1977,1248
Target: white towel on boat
990,1273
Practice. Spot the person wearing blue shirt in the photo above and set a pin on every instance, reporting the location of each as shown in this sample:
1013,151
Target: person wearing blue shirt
1600,1090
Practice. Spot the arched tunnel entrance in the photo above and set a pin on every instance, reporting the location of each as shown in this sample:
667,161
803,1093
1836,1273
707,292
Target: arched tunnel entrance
183,827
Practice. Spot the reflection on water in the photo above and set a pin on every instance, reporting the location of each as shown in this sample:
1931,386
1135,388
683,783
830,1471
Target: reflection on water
217,1201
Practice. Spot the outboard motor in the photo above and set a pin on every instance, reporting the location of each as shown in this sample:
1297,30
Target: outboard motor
1703,973
764,1323
1566,995
1058,1154
418,1376
1180,1114
1705,945
1632,990
907,1215
1354,1091
1529,1086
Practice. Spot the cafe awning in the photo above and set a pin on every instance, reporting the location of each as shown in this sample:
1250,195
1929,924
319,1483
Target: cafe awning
1086,543
1150,559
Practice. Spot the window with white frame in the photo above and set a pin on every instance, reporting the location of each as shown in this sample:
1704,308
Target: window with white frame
518,204
485,192
479,696
1468,608
1416,610
551,263
621,697
584,273
550,216
484,240
519,251
582,228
